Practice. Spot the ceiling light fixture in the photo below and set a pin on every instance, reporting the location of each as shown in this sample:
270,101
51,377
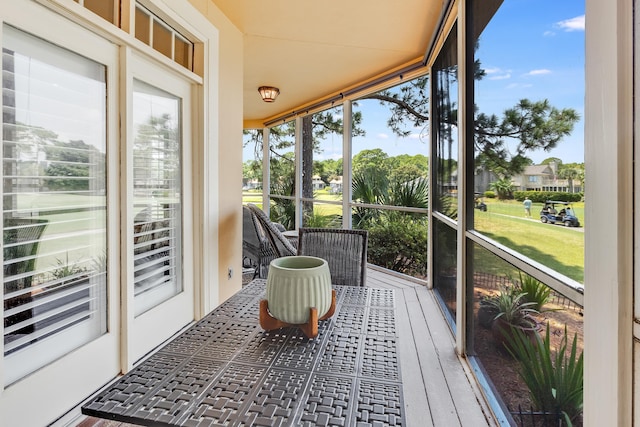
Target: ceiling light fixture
269,93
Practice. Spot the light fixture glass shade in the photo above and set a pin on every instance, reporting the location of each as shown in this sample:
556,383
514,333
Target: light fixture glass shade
268,93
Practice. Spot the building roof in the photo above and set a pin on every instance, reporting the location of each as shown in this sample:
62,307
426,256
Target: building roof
537,170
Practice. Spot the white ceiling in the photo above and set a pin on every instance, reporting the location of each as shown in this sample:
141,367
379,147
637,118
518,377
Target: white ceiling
311,49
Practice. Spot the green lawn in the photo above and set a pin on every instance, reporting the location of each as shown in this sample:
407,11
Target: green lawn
70,234
515,208
558,247
555,246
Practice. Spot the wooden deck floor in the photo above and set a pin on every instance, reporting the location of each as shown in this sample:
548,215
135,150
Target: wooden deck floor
438,387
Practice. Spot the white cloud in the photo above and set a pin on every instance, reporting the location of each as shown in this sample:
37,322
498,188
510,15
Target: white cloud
500,77
497,73
383,136
518,86
538,72
572,24
549,33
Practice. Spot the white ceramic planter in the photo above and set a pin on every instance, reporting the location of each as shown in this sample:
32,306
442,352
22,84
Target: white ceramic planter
295,284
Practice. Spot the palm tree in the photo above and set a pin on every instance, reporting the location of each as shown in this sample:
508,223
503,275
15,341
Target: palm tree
569,174
503,188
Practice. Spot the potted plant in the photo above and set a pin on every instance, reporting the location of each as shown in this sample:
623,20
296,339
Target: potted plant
514,312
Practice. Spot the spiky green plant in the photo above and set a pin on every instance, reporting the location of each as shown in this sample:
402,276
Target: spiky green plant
554,379
536,292
511,306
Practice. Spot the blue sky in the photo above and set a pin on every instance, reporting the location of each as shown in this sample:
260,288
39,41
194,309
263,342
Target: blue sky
531,49
535,49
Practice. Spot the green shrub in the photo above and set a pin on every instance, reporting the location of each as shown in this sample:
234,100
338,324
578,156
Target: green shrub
322,221
543,196
490,194
399,243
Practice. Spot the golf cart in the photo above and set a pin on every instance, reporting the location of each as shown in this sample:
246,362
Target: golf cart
555,212
479,203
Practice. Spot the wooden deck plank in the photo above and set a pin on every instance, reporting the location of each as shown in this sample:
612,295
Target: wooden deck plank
383,279
443,411
416,401
469,404
452,395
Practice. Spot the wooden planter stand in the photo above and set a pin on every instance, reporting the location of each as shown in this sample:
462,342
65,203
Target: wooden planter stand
310,329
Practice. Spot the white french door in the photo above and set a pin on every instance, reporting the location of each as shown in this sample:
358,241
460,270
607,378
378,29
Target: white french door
159,257
97,210
61,320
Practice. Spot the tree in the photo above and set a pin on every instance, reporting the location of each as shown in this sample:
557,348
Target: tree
373,161
549,160
569,173
315,127
503,188
70,163
501,143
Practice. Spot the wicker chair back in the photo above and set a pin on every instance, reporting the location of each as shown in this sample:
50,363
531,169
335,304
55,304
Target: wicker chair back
344,250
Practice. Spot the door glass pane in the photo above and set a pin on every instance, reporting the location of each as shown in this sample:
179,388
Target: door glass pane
182,51
445,265
162,38
143,26
104,8
157,193
54,201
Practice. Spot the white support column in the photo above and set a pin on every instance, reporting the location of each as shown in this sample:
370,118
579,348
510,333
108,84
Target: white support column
432,181
608,266
266,170
298,173
346,164
461,247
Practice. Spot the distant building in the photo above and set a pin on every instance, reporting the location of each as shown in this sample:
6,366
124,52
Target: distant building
544,178
335,185
317,183
251,184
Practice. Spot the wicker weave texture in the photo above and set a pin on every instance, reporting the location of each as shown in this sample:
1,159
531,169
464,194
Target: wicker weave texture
256,247
279,242
344,250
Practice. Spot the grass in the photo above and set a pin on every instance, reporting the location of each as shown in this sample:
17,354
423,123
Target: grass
515,208
555,246
558,247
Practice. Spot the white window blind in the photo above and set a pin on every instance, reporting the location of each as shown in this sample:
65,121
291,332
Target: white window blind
54,207
157,193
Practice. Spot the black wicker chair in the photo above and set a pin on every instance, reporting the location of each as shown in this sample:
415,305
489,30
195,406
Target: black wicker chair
344,250
262,240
